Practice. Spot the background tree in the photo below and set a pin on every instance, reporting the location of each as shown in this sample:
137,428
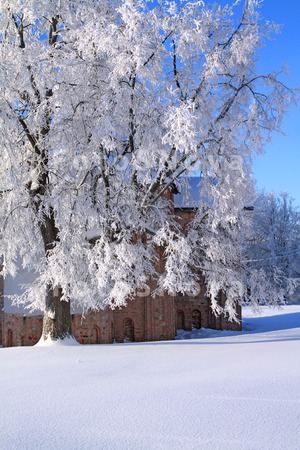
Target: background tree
274,245
103,107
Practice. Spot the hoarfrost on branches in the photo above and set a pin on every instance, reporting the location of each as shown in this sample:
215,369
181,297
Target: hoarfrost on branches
273,249
103,107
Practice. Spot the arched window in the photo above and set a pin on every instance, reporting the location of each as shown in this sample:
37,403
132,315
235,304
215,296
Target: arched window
128,330
180,320
9,338
196,319
95,338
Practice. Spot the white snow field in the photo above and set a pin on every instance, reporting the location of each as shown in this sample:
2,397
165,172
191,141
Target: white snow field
223,390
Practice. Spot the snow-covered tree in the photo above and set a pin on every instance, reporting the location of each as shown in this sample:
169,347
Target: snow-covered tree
103,107
273,248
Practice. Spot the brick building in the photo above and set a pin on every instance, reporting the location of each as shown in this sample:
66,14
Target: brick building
144,319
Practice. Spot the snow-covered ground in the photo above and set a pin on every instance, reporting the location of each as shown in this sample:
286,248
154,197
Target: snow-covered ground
220,391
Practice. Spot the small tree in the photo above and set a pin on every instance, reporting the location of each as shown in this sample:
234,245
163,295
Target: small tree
103,107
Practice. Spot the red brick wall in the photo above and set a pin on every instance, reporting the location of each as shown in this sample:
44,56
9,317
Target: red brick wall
133,313
144,319
189,309
160,318
93,328
186,305
189,306
21,330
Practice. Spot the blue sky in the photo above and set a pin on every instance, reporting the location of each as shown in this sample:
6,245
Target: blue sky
279,168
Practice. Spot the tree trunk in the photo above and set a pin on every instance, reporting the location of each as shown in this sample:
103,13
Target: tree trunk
57,315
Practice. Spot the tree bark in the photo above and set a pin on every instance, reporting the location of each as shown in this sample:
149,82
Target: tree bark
57,315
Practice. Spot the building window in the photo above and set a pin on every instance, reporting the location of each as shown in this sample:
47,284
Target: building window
180,320
196,319
128,330
9,338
